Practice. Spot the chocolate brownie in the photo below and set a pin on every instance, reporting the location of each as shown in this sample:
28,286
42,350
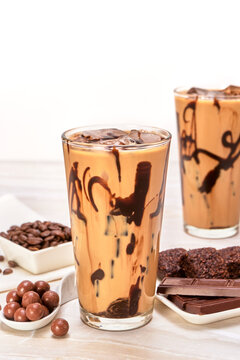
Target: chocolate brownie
169,263
231,256
204,263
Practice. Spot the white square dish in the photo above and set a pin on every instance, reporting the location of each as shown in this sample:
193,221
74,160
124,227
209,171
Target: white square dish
199,319
13,212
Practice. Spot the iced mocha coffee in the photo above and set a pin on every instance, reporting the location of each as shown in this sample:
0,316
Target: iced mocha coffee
209,145
116,183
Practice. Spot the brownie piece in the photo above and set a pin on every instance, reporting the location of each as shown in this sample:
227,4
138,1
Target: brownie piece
204,263
231,256
169,263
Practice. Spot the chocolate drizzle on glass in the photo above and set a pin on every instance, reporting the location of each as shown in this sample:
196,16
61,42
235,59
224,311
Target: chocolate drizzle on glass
75,182
115,152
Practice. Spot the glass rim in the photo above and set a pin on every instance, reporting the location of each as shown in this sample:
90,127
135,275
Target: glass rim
181,92
166,139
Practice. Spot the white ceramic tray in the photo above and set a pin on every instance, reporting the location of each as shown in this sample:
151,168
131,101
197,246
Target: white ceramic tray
14,212
199,319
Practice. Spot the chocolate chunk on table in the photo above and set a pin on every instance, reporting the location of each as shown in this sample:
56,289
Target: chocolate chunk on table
199,287
169,263
204,305
204,263
231,256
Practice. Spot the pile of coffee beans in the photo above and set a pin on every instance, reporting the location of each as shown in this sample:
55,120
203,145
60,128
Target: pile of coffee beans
30,302
38,235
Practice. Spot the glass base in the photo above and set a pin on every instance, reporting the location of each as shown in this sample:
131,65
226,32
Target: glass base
102,323
211,233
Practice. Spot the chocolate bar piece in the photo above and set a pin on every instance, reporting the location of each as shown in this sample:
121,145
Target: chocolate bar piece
199,287
169,263
231,256
204,305
204,263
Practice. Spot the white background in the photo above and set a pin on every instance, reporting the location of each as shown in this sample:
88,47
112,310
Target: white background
70,63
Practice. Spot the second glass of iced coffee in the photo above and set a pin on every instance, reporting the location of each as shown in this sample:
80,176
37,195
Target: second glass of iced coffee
116,184
209,146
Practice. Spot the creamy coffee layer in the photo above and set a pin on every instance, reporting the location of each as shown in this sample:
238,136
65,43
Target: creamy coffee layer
209,143
116,201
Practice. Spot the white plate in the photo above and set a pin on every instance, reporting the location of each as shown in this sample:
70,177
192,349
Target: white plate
13,212
199,319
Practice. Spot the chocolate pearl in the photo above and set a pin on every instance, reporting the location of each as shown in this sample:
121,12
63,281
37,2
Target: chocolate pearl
12,296
1,258
30,297
59,327
7,271
45,311
25,286
50,299
34,311
10,309
20,315
12,263
41,287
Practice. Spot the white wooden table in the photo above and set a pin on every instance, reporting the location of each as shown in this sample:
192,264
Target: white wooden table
42,187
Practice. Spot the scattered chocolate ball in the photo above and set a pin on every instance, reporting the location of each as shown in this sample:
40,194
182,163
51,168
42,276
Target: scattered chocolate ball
9,309
12,296
12,263
30,297
59,327
20,315
50,299
25,286
45,311
41,287
1,258
34,311
7,271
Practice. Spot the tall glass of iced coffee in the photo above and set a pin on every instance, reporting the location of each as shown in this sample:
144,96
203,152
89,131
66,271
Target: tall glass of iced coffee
209,147
116,182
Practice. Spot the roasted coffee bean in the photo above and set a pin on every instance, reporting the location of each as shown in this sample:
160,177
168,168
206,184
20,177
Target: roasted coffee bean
34,232
42,227
45,233
34,240
13,227
12,263
54,243
7,271
2,258
45,245
58,233
14,237
3,234
53,227
33,248
49,238
23,237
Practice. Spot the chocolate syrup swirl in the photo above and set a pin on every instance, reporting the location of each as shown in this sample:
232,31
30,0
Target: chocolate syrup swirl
115,152
189,150
76,186
161,192
97,275
100,181
131,245
84,181
133,206
134,296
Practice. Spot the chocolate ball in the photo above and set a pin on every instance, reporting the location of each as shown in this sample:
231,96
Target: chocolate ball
41,287
12,296
9,310
59,327
50,299
34,311
25,286
45,311
20,315
30,297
